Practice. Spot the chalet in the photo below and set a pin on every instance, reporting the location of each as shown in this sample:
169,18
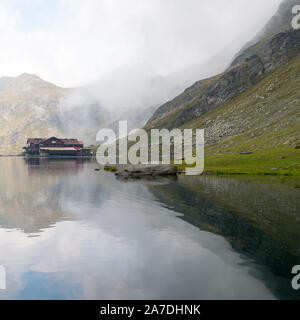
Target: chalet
55,147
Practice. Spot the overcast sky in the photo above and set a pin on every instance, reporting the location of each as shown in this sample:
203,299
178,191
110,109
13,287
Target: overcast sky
74,42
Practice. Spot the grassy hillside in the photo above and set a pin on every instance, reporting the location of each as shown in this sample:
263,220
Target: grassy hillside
258,131
208,95
264,120
251,111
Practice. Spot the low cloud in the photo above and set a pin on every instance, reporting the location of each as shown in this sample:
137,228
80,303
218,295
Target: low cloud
125,57
82,41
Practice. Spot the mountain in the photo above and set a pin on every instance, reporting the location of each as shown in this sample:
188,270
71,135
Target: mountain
280,22
32,107
254,101
27,108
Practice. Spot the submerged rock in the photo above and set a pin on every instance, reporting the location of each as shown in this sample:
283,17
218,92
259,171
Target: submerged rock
138,171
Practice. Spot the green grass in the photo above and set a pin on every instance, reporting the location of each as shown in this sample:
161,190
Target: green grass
110,168
275,161
268,118
270,127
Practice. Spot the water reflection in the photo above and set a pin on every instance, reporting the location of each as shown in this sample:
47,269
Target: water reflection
258,216
68,232
30,195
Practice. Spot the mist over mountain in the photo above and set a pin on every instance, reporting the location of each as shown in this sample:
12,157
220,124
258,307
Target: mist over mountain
30,106
280,22
253,101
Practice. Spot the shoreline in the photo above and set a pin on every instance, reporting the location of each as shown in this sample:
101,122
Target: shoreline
47,157
215,166
113,168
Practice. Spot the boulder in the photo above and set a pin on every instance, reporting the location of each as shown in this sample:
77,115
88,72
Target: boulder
138,171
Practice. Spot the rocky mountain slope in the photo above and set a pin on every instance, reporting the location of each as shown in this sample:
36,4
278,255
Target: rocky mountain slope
255,99
32,107
28,107
280,22
264,116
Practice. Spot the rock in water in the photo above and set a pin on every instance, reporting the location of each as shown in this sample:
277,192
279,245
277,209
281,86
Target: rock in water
137,171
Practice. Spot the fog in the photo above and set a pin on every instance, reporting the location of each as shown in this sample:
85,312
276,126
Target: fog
124,55
73,42
128,93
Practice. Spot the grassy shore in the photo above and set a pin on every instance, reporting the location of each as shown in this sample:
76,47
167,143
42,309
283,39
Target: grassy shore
282,160
110,168
276,161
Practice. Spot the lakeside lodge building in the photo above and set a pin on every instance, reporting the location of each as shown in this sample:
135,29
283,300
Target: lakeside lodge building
55,147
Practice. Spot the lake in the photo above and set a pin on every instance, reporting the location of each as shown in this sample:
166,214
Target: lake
70,232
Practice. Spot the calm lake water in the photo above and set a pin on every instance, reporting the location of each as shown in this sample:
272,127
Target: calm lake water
69,232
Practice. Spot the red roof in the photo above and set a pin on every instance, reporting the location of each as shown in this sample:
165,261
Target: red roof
66,141
71,141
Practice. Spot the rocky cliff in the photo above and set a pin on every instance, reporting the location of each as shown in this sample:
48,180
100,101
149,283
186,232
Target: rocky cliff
280,22
32,107
28,107
246,70
258,92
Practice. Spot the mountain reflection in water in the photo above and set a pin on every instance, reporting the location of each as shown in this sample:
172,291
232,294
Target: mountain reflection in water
68,232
